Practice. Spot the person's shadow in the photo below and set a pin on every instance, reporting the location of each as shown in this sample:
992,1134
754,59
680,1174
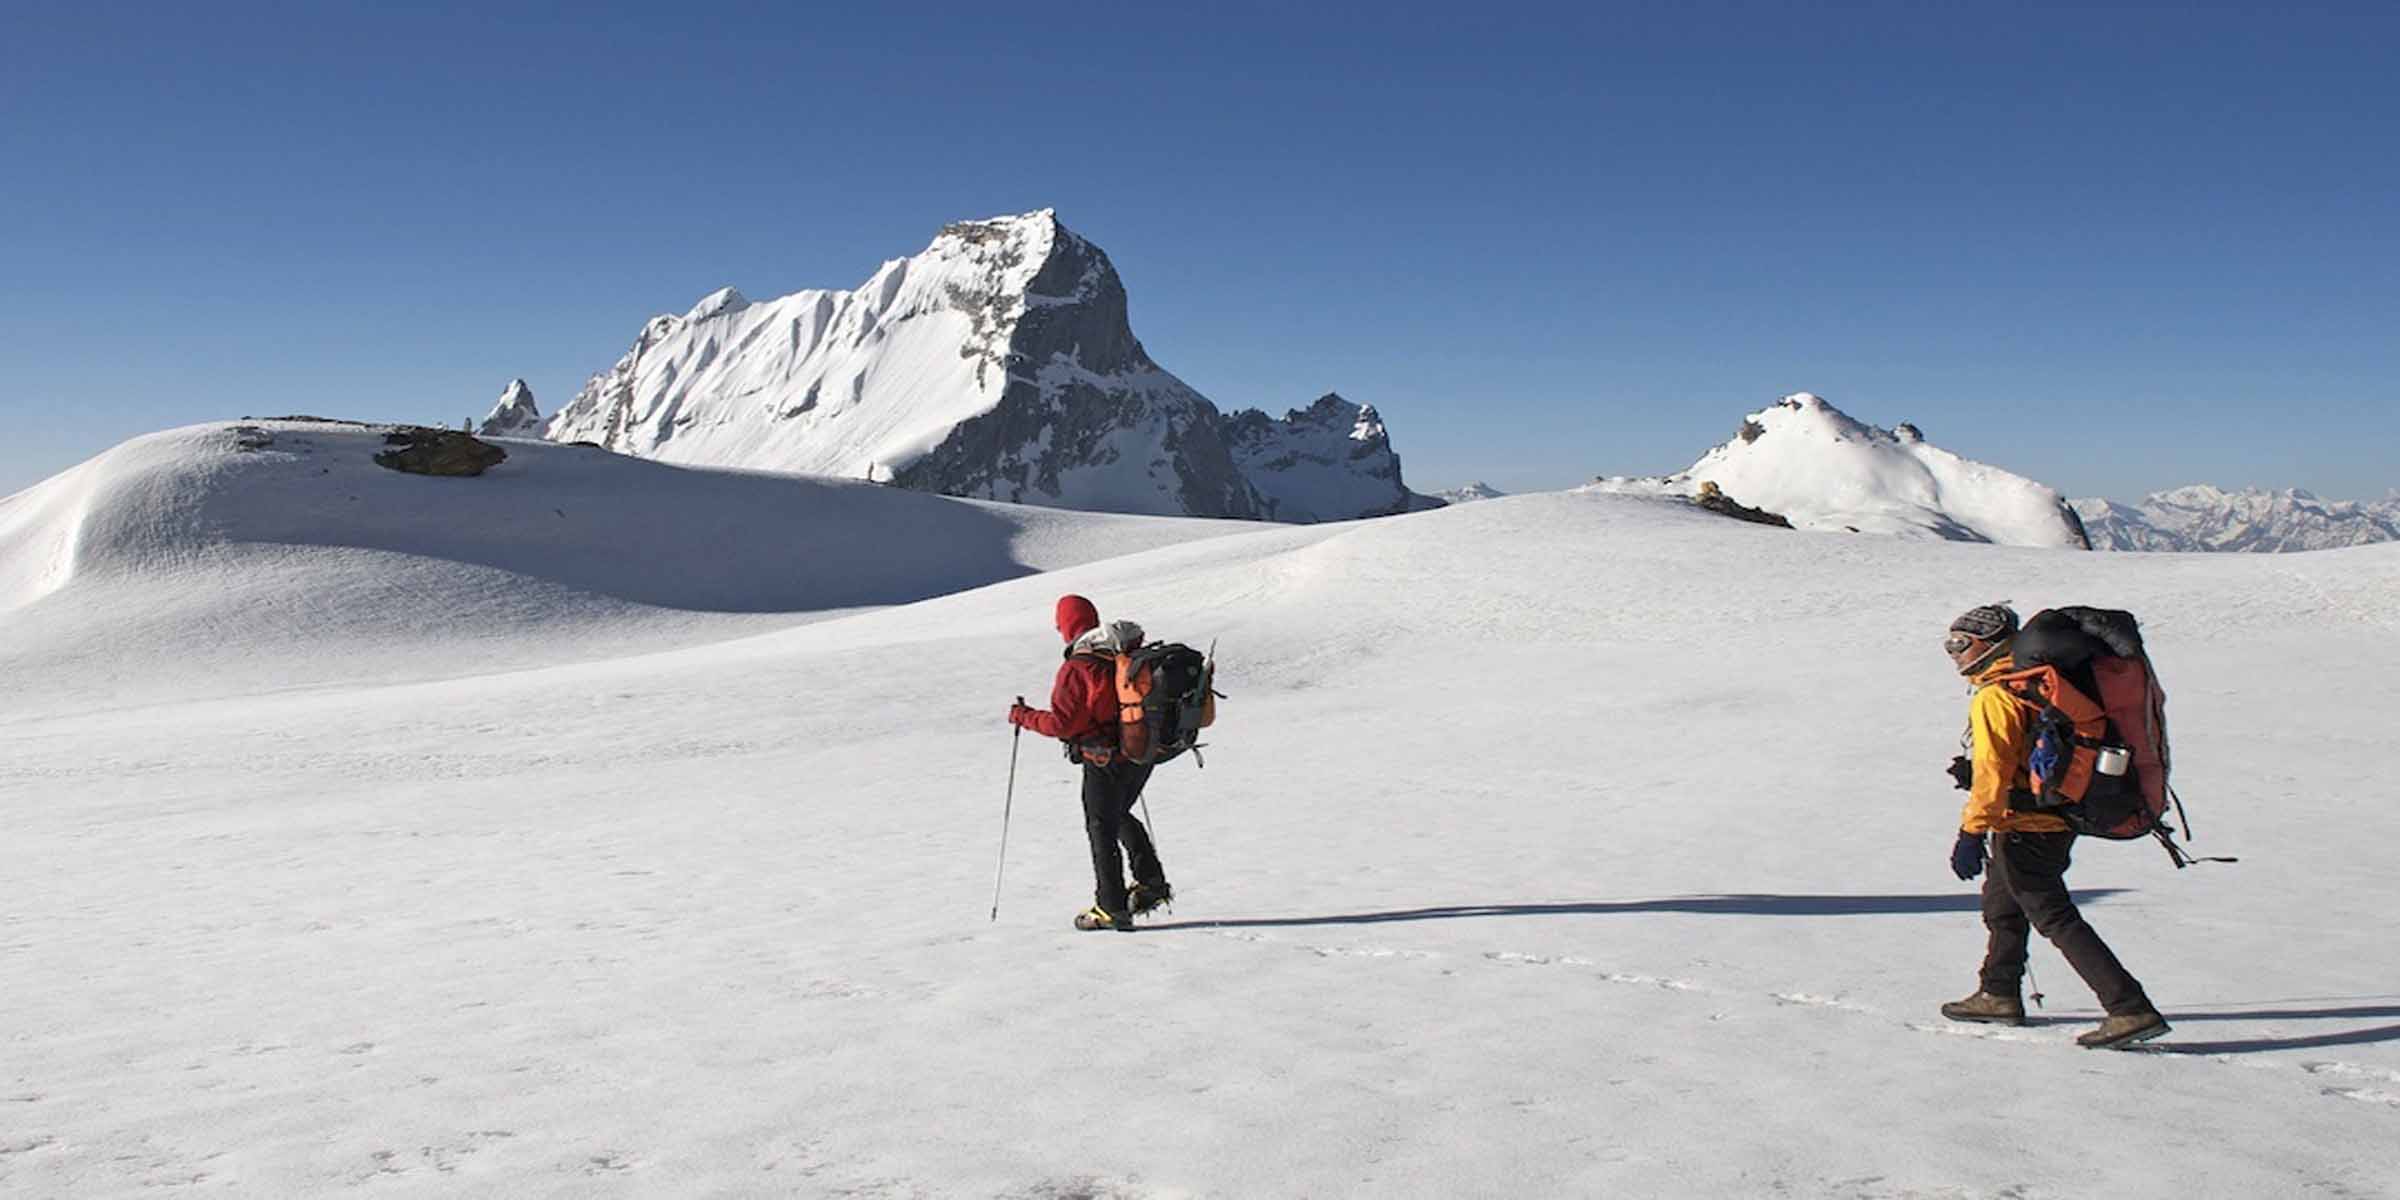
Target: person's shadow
2317,1041
1746,904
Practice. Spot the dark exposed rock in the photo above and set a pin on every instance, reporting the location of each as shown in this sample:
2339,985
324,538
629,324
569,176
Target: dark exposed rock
420,450
1021,448
2083,537
1331,461
1715,500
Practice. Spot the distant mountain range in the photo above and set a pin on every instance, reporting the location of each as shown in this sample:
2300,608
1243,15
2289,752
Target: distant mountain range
997,364
1478,490
2253,520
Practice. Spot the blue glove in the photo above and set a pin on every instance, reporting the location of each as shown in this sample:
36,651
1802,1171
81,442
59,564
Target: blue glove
1966,857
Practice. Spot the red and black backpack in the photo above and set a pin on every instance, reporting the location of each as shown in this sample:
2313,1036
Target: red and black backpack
2100,757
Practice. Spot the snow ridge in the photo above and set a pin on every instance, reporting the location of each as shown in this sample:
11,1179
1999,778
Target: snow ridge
2252,520
1823,469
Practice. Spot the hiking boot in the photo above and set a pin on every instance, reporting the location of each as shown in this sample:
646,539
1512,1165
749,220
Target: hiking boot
1987,1008
1097,917
1147,899
2124,1030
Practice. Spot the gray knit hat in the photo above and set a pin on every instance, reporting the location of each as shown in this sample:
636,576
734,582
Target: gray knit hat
1987,623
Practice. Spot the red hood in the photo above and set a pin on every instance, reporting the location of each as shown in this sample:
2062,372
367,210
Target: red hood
1076,617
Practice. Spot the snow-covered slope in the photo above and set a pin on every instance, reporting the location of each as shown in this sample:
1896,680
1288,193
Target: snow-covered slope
159,563
515,415
1331,461
1550,845
2204,518
1808,461
999,363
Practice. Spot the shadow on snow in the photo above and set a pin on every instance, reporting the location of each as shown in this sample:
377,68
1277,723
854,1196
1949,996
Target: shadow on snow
2347,1037
1751,904
1765,904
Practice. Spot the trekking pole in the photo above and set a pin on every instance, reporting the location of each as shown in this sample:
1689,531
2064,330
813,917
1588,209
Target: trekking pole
1006,808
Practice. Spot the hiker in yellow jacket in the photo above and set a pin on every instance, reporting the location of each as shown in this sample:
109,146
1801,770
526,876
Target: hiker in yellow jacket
2028,853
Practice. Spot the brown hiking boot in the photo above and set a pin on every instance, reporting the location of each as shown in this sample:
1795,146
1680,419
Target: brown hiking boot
2124,1030
1986,1008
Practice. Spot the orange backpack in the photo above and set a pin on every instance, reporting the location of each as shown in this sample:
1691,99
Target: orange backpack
1164,700
1165,697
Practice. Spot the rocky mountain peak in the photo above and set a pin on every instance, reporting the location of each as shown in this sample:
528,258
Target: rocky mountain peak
1477,490
515,415
997,363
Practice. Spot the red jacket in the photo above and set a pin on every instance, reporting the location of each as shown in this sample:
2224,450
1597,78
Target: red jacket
1083,701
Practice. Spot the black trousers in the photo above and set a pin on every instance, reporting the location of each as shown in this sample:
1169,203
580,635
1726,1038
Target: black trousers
1109,794
2026,889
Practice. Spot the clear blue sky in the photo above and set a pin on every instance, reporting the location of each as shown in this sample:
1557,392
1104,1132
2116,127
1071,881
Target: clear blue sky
2115,248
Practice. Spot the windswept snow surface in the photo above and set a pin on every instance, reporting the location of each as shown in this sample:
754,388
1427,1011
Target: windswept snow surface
786,381
1806,460
233,557
1567,844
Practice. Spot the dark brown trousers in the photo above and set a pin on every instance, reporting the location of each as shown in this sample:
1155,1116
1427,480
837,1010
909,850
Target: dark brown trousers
2024,889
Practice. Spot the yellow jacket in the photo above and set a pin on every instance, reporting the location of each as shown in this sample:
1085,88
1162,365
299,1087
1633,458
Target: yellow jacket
2000,736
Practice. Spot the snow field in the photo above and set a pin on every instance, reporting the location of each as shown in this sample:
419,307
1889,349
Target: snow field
1551,845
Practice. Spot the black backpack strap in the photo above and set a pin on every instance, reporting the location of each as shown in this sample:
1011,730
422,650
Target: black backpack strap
2165,834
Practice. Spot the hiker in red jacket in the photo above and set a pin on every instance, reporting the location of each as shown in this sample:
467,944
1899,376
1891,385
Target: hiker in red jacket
1083,714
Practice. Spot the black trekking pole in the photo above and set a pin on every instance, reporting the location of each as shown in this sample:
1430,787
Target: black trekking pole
1006,808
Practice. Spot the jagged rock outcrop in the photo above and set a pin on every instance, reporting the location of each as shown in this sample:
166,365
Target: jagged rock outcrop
1331,461
999,364
1714,499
